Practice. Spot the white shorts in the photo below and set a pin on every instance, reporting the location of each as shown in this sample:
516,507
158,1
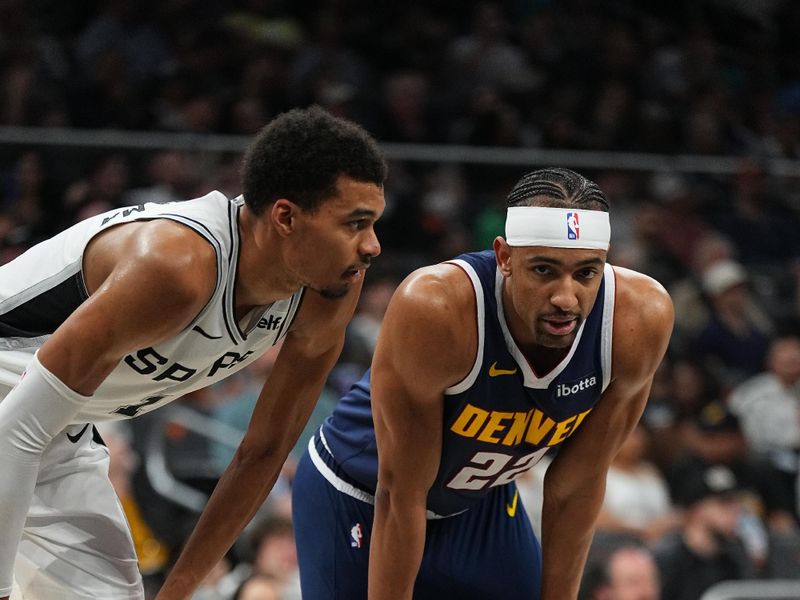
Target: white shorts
76,544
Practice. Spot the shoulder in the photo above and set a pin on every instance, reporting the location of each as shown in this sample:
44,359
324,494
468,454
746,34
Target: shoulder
430,321
436,289
434,305
641,300
643,321
159,257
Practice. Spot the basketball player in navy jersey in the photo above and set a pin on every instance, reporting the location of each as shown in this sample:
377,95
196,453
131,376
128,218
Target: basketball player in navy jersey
484,364
128,310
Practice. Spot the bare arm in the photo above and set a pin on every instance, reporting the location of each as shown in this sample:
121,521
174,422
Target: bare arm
289,395
147,282
575,482
422,350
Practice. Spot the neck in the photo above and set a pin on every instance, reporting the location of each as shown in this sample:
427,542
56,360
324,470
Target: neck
542,358
260,280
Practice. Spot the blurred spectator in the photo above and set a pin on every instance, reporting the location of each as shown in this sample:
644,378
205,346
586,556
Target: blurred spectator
682,389
275,554
29,208
485,57
637,499
756,220
628,573
362,332
707,549
734,343
646,252
258,587
713,435
326,63
407,113
692,310
768,407
100,191
169,176
216,584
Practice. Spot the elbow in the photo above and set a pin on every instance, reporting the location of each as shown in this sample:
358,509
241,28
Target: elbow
560,492
393,496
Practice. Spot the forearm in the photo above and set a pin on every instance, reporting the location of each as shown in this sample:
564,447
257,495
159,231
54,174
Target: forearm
275,425
396,547
567,528
239,493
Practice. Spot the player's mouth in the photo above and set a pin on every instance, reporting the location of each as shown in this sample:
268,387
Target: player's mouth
354,275
560,326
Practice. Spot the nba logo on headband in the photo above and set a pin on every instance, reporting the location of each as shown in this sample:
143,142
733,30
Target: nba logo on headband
573,226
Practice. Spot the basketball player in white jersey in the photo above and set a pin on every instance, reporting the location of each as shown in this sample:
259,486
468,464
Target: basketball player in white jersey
128,310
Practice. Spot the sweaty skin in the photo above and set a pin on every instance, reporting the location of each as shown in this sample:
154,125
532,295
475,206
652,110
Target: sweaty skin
428,343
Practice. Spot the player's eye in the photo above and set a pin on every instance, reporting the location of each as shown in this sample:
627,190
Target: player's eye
358,224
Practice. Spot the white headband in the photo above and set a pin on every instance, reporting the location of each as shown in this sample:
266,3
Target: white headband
557,227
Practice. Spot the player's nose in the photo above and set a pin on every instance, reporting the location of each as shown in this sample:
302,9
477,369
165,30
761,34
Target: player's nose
564,296
369,244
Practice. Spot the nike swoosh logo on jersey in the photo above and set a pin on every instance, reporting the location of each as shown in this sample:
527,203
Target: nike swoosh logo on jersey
495,372
74,438
511,509
199,330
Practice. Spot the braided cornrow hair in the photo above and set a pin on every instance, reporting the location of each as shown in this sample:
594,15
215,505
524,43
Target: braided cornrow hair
557,187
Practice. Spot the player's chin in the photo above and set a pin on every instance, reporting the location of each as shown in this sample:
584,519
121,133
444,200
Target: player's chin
549,340
334,292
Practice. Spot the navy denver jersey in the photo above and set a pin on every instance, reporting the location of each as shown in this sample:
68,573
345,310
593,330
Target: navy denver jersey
500,420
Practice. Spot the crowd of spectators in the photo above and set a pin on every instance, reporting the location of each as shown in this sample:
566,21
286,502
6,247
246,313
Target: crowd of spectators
708,484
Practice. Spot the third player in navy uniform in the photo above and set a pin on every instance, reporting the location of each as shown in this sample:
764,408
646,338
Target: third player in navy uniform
483,365
129,310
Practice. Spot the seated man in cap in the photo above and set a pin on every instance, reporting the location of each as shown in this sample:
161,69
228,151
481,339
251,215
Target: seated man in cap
708,549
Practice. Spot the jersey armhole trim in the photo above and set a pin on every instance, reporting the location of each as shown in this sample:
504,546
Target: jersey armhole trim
480,314
607,331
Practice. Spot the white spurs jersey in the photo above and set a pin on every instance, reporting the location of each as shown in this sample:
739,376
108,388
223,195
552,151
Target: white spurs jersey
42,287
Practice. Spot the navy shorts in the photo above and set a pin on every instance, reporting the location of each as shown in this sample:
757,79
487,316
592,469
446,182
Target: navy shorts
488,552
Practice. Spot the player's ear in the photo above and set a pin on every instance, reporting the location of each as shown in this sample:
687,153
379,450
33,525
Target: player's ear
283,214
502,253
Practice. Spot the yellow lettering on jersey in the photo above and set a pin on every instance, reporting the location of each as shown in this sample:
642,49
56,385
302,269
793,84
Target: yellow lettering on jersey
511,428
469,421
517,430
562,431
581,417
565,428
494,425
538,428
